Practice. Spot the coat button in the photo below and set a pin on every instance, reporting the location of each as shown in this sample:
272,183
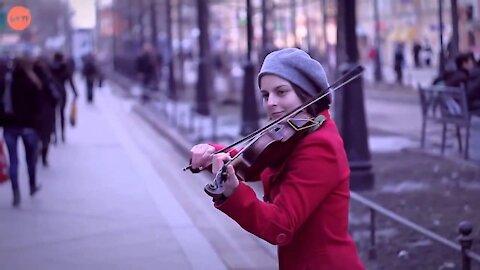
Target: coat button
281,237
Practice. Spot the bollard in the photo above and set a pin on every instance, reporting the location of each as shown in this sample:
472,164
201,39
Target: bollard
466,240
372,253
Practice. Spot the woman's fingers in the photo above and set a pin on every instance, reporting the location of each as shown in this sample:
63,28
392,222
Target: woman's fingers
232,178
218,161
232,181
201,155
230,169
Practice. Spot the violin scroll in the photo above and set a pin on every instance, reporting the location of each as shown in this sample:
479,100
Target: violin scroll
215,189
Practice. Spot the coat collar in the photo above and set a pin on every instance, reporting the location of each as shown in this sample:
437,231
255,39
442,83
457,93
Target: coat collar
269,176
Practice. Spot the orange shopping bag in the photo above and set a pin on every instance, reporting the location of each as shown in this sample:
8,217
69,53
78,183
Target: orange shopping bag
3,163
73,113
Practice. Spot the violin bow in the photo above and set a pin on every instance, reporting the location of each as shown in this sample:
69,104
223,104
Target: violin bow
339,83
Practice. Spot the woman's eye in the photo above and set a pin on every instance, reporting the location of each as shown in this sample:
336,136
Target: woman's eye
264,96
282,92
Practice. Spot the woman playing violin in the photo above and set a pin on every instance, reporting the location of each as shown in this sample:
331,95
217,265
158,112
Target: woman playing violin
306,196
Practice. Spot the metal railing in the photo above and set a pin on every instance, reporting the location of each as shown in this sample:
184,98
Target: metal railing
465,229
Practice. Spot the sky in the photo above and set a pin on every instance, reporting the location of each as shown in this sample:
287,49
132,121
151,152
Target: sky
84,13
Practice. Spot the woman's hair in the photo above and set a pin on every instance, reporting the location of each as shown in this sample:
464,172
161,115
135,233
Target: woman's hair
315,108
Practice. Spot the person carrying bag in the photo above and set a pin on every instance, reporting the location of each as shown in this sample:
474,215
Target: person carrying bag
4,177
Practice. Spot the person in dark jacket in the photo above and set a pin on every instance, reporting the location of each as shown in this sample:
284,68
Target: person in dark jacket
417,48
62,73
460,77
91,73
473,86
399,62
22,121
49,97
148,65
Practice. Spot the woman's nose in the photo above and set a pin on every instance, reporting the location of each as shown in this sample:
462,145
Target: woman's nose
271,101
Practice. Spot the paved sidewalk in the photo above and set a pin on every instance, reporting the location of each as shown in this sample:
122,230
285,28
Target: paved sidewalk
102,206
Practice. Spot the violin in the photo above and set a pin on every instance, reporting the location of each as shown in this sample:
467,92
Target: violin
269,145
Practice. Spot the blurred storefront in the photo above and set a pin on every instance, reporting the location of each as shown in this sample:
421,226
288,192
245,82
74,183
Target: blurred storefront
409,21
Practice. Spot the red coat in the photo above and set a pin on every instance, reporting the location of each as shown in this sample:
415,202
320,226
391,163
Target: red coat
305,207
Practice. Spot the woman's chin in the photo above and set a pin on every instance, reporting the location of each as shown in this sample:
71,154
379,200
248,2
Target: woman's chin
274,118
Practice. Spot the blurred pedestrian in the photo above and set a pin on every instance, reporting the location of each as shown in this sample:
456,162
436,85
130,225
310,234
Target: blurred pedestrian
306,194
49,97
460,76
427,53
399,62
91,73
473,88
62,72
148,65
23,103
417,48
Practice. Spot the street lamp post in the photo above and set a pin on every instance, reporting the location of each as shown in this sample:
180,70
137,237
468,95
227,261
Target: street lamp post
455,39
181,62
324,25
267,43
249,104
378,74
114,15
140,15
293,20
203,77
153,23
172,90
265,32
441,66
349,102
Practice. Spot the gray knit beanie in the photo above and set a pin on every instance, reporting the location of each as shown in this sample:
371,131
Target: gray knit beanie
298,67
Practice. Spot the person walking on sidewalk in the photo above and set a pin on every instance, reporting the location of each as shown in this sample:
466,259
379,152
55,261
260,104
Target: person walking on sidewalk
399,62
416,49
62,72
22,102
49,98
91,73
148,66
306,197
